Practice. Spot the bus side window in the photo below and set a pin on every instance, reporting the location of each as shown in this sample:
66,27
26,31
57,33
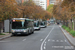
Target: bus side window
26,23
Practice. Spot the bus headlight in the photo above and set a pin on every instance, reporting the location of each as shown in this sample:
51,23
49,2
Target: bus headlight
24,30
13,31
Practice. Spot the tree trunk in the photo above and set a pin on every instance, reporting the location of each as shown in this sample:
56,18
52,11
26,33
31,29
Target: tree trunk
63,22
74,24
0,27
23,14
70,23
66,23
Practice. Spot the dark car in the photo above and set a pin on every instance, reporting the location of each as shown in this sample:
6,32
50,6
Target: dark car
57,23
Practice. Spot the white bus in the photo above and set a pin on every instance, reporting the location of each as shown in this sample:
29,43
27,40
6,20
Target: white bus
22,26
36,25
43,24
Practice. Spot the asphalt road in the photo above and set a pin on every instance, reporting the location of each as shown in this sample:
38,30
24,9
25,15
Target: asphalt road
50,38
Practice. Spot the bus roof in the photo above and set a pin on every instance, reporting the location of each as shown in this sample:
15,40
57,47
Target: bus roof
22,19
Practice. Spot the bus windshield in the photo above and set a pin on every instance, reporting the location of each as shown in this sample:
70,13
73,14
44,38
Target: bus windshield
36,24
18,25
42,23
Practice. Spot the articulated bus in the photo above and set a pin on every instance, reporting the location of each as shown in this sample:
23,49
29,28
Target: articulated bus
36,25
22,26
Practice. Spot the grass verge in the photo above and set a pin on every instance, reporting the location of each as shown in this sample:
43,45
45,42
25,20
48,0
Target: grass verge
2,34
72,32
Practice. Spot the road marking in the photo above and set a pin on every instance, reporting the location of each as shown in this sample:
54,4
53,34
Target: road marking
3,41
46,39
53,40
65,41
58,47
61,41
24,39
59,25
57,40
44,47
41,40
69,47
45,42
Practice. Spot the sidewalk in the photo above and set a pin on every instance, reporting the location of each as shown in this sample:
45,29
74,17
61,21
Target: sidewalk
69,37
5,36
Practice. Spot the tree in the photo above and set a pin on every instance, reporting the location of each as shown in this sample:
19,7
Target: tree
50,8
7,10
29,9
65,11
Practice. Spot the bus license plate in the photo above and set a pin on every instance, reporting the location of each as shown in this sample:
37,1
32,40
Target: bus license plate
18,33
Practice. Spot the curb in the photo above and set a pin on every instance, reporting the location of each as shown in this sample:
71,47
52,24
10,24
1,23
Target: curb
5,37
67,37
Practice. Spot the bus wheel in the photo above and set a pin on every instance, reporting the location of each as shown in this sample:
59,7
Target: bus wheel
39,28
13,35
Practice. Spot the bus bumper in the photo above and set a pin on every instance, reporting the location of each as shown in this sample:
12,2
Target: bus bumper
36,28
19,33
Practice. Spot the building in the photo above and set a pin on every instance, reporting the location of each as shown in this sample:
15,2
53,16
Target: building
52,1
43,4
36,2
20,1
48,3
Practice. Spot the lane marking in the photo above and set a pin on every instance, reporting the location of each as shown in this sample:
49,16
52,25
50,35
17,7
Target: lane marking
3,41
58,47
41,40
57,40
24,39
45,42
46,39
53,40
65,41
61,40
44,47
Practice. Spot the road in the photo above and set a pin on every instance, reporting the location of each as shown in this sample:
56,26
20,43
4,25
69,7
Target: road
50,38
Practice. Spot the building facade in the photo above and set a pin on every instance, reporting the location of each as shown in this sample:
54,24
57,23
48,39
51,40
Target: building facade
36,2
43,4
48,3
52,1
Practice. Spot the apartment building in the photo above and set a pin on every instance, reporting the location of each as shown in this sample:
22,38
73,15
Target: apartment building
43,4
36,2
48,3
20,1
52,1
